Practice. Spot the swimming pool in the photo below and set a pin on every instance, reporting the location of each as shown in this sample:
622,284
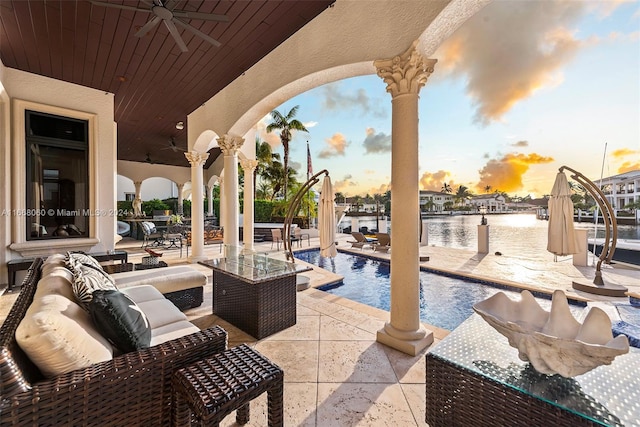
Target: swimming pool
445,301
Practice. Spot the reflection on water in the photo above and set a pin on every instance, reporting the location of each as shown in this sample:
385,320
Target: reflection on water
508,233
444,301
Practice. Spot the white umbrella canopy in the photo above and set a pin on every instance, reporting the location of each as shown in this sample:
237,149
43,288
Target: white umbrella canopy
561,235
327,220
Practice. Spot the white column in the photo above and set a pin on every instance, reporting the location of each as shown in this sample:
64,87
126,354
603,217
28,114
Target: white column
222,202
483,239
180,199
249,166
210,199
230,145
405,75
197,160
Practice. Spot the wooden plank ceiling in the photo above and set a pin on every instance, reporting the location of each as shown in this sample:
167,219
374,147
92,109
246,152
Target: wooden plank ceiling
155,84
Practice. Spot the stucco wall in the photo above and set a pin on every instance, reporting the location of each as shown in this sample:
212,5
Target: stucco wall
56,96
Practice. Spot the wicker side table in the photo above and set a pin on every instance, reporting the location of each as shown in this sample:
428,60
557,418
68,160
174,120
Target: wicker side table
213,388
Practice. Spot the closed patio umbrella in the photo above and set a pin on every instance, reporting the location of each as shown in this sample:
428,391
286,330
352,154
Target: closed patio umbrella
561,235
327,220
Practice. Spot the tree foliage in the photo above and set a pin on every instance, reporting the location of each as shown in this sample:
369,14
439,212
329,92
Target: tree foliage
285,123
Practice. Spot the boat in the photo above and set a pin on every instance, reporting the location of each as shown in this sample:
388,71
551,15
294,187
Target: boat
627,250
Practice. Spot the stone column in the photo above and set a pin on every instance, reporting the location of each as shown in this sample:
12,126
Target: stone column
405,75
249,166
197,160
230,145
222,201
210,198
180,199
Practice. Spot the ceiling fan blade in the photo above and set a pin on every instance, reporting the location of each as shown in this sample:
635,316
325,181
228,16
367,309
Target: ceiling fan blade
198,15
148,26
119,6
176,35
197,32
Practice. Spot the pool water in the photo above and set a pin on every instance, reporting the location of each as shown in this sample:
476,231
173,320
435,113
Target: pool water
445,301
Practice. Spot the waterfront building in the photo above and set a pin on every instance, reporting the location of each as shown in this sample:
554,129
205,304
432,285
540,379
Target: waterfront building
622,189
435,201
494,203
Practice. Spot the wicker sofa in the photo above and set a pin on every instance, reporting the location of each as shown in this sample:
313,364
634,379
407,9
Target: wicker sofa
133,388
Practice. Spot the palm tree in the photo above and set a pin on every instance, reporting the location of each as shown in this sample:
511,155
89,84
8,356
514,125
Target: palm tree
446,188
487,188
264,156
462,194
285,124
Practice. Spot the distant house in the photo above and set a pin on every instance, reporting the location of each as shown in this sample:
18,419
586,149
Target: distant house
621,190
494,203
434,201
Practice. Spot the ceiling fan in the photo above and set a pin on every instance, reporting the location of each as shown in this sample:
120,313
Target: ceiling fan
173,146
163,11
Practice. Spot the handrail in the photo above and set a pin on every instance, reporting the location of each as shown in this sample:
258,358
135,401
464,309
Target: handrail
294,205
608,216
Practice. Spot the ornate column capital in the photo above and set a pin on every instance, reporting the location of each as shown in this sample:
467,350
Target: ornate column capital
230,144
405,73
196,158
180,186
248,164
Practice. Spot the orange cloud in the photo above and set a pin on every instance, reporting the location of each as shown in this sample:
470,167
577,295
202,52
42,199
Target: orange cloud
628,167
622,152
505,174
511,49
383,188
344,185
336,146
434,181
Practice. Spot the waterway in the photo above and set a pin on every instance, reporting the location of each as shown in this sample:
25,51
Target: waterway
513,234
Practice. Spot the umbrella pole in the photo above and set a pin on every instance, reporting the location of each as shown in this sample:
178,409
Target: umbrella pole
294,205
609,245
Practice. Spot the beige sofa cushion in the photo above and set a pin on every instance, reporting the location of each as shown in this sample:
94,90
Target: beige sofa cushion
56,334
166,280
166,321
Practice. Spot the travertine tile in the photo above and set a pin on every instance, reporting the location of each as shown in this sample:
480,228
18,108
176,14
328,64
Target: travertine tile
306,328
300,404
336,330
354,361
360,404
408,369
298,359
416,398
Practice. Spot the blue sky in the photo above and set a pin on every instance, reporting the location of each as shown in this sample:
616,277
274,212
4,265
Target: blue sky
521,89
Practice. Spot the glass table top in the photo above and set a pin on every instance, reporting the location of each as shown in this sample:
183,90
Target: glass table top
608,395
255,267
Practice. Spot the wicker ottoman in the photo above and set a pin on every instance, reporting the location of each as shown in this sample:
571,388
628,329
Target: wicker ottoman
213,388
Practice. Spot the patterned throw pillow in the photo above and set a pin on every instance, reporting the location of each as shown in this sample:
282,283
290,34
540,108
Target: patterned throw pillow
74,259
120,320
87,280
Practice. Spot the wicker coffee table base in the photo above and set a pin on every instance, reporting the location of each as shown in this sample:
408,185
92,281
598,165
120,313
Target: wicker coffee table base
213,388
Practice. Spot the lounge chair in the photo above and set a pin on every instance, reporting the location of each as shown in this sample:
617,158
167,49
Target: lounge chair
383,244
361,240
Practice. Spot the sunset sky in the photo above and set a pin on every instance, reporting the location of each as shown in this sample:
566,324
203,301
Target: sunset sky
521,89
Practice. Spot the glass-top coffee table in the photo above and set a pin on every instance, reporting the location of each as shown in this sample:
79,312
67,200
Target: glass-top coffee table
254,292
475,378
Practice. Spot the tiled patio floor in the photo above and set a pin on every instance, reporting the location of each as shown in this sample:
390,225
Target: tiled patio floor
336,374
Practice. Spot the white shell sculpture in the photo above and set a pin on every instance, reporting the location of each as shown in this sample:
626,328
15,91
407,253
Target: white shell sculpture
553,342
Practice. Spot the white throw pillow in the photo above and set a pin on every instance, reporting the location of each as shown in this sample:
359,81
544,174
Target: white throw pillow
59,336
